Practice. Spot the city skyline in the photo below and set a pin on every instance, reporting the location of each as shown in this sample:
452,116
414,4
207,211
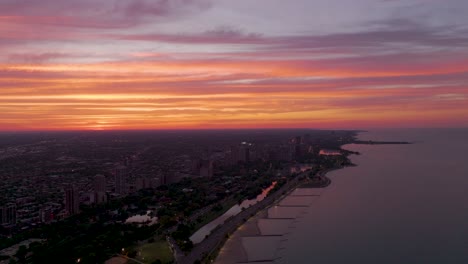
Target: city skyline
200,64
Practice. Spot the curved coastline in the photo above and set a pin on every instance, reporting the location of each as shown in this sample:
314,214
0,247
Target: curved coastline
261,213
322,183
209,249
361,207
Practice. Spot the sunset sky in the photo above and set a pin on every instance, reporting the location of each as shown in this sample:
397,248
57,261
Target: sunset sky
165,64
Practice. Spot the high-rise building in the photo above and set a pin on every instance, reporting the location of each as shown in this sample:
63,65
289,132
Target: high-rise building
8,214
299,147
234,155
100,189
155,182
146,183
206,168
121,180
140,184
296,140
202,167
100,183
244,152
196,165
241,153
164,179
128,161
46,215
72,200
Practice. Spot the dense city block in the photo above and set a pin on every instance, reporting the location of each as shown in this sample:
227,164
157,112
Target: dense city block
90,196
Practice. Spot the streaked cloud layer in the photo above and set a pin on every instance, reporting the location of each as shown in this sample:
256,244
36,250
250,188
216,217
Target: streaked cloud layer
135,64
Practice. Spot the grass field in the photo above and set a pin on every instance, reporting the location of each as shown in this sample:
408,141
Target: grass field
148,253
212,215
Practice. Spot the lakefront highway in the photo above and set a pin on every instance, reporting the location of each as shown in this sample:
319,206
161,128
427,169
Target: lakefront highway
218,236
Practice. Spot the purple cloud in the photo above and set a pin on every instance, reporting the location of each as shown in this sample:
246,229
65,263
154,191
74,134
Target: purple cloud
95,14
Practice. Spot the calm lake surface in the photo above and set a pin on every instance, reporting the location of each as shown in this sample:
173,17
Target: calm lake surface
401,204
200,235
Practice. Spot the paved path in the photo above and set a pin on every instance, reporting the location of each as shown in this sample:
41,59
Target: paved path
176,251
217,236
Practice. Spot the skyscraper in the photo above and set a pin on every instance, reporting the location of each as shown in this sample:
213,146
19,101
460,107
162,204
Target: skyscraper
100,188
234,155
196,165
244,152
206,168
121,180
100,183
46,215
8,214
72,200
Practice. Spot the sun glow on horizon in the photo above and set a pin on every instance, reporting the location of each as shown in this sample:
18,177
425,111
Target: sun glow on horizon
129,69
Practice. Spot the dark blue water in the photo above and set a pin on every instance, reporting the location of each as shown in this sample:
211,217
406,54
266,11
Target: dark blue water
401,204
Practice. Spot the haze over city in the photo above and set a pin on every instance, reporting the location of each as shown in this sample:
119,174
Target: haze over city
197,64
233,131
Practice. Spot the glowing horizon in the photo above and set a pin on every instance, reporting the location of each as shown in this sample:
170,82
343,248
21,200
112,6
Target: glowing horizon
198,64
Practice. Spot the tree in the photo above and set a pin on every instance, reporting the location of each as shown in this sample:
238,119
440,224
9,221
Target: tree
21,253
132,254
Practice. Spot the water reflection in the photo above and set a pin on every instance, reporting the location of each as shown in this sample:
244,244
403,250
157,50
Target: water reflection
200,235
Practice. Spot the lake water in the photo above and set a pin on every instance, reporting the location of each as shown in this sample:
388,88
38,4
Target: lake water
401,204
201,233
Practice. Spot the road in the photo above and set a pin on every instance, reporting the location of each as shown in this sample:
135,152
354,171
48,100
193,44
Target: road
217,237
176,251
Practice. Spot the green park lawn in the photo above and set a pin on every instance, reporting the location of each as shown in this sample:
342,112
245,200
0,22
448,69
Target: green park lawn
148,253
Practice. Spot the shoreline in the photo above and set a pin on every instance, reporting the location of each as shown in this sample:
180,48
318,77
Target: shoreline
217,238
280,195
208,250
371,142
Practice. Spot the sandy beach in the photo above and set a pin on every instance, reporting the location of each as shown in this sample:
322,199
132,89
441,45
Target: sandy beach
261,237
